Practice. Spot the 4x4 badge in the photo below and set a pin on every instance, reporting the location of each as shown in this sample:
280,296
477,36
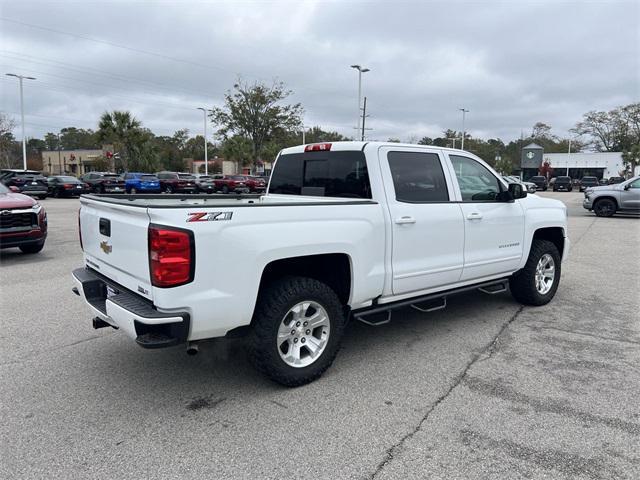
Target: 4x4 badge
106,248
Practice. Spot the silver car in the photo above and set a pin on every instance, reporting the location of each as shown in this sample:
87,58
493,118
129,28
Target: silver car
530,186
608,199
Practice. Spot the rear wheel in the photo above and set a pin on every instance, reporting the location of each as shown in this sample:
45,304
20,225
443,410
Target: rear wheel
225,189
605,207
133,191
56,193
297,329
537,282
32,247
42,197
168,189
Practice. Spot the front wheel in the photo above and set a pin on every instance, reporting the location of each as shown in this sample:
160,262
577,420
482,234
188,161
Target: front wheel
605,207
32,247
537,282
297,329
225,189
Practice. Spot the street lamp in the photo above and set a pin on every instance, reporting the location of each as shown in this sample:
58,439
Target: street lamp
463,131
24,138
361,70
206,157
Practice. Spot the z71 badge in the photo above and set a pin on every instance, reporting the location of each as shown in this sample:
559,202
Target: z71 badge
208,216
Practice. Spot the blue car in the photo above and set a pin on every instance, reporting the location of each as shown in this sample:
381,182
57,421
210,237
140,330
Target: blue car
141,183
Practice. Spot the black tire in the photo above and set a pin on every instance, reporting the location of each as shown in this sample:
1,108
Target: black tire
225,189
605,207
32,247
523,282
273,305
133,191
168,189
42,197
56,193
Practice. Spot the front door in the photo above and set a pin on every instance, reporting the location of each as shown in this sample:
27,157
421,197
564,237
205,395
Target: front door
494,231
630,198
427,228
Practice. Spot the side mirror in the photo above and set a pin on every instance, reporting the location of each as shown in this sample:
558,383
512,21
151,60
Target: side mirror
517,190
14,189
627,186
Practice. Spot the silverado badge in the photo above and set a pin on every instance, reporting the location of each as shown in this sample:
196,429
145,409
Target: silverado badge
106,248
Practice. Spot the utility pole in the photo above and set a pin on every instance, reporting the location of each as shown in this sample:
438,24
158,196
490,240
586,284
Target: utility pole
59,160
464,112
24,138
364,117
206,155
361,70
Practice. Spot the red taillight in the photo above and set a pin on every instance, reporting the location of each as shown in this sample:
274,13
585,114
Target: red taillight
68,185
318,147
80,231
171,256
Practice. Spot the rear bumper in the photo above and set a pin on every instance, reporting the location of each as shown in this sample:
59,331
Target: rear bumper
125,310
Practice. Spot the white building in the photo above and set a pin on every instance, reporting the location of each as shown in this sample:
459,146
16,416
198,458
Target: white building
577,165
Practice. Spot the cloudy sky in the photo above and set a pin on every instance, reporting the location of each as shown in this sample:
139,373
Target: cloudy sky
511,63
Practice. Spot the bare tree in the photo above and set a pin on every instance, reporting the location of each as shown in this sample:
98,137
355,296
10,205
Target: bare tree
7,141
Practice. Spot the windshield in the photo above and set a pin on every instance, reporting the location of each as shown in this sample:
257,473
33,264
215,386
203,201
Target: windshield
537,178
186,176
68,179
3,189
589,179
148,178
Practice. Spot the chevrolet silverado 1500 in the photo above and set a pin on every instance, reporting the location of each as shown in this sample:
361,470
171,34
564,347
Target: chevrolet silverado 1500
349,230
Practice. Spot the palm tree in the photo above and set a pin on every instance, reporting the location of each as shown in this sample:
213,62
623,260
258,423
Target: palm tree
123,130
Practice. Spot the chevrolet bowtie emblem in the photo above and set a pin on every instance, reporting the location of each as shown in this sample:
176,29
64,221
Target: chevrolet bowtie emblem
106,248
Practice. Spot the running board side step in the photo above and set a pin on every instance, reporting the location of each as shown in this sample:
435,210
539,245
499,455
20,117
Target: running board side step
381,314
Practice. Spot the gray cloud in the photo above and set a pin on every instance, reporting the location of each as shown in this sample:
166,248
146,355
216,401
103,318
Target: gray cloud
511,63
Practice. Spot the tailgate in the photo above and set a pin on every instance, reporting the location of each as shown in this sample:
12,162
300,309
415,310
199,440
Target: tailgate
115,243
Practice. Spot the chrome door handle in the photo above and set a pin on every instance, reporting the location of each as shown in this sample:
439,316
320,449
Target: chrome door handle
474,216
405,220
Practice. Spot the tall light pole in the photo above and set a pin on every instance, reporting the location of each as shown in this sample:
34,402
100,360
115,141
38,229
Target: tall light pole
206,155
361,70
24,138
464,112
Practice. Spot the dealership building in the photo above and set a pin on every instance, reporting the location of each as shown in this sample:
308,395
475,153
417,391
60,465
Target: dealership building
574,165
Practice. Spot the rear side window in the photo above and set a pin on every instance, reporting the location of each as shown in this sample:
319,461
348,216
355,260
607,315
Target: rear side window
418,177
322,174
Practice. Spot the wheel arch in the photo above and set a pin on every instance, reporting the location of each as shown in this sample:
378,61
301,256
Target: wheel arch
555,235
333,269
608,197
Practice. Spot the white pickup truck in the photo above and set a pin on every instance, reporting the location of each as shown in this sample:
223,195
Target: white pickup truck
345,230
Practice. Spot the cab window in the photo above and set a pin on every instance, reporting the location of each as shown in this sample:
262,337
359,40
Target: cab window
418,177
477,183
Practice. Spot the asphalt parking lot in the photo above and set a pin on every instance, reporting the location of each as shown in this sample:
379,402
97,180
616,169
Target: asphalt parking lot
483,389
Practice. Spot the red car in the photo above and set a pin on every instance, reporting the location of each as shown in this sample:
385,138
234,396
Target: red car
256,184
23,221
231,183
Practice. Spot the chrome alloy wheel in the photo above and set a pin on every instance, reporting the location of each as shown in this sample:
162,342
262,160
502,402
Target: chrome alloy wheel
545,274
303,334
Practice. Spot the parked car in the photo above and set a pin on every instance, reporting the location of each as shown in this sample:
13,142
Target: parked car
607,200
562,183
66,186
530,186
346,230
104,182
540,182
587,182
137,182
614,180
255,184
28,182
174,182
205,184
231,183
23,221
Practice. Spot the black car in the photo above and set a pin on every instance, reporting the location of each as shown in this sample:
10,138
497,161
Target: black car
540,181
613,180
66,186
104,182
587,182
562,183
28,182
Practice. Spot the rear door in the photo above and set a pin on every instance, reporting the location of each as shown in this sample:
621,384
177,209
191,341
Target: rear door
494,231
427,226
115,243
